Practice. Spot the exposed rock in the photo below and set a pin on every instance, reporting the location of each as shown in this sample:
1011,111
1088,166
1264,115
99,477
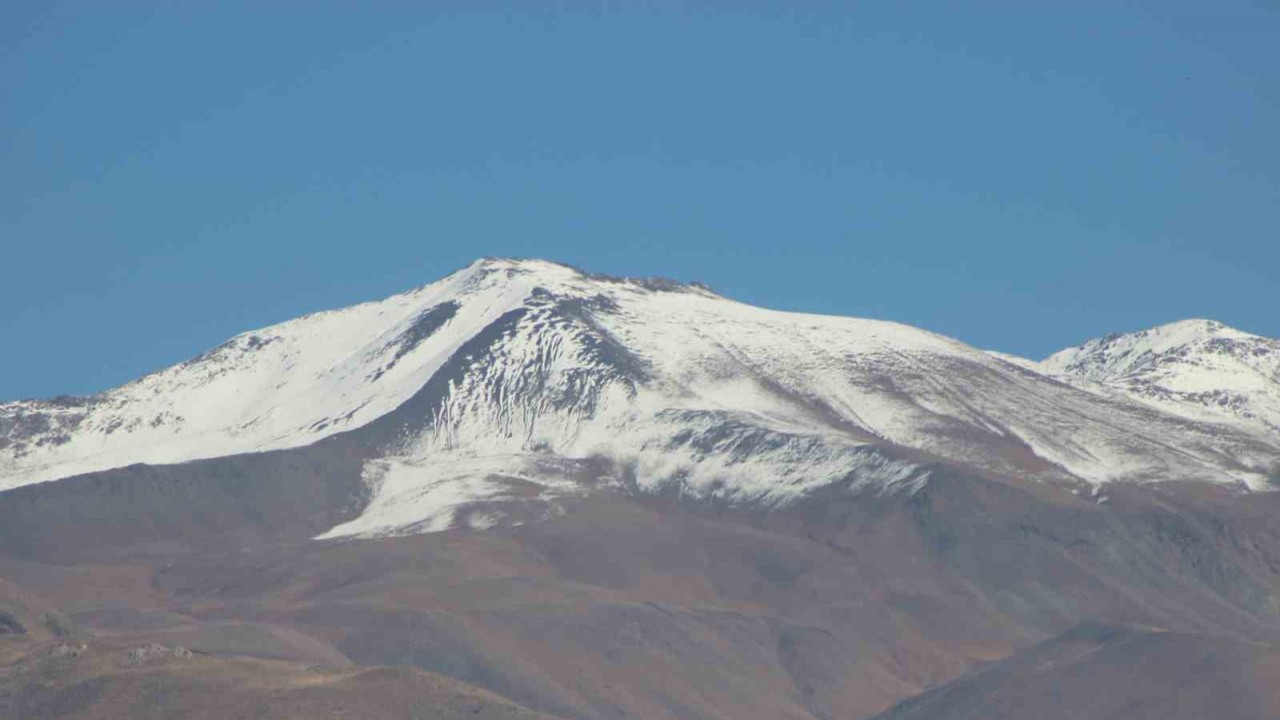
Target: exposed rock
155,652
66,650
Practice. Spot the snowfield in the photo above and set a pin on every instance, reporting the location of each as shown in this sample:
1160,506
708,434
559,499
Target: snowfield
529,381
1196,368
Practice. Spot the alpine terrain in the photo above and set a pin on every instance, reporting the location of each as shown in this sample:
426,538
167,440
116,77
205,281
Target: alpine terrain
529,491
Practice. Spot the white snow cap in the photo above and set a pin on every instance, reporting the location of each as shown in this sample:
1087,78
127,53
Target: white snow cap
1199,369
539,370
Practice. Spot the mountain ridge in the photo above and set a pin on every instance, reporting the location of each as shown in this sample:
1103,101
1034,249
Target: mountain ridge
689,507
520,379
1198,368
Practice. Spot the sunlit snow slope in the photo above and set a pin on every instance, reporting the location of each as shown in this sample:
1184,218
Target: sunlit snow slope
518,379
1197,368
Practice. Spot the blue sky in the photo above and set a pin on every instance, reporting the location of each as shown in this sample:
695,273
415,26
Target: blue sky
1019,175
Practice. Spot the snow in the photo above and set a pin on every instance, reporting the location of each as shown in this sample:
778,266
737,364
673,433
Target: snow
278,387
604,384
1199,369
752,405
427,495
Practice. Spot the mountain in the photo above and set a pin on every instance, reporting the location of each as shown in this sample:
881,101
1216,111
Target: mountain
1199,369
517,383
528,489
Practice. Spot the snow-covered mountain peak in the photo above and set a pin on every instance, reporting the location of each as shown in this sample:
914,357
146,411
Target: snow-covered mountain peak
516,379
1120,353
292,383
1198,368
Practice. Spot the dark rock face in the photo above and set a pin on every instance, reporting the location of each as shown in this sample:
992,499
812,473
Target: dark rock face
49,423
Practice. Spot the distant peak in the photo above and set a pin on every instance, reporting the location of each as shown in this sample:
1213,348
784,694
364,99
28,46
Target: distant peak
1121,354
1160,337
1182,332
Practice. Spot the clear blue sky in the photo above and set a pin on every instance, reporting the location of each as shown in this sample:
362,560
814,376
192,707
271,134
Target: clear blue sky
1020,175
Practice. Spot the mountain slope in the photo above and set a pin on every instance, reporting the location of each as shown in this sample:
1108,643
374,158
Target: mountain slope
282,386
693,509
492,395
1115,673
106,681
837,605
1196,368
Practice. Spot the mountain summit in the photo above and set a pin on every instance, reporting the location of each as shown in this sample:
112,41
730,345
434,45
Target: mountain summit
511,384
529,491
1196,368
